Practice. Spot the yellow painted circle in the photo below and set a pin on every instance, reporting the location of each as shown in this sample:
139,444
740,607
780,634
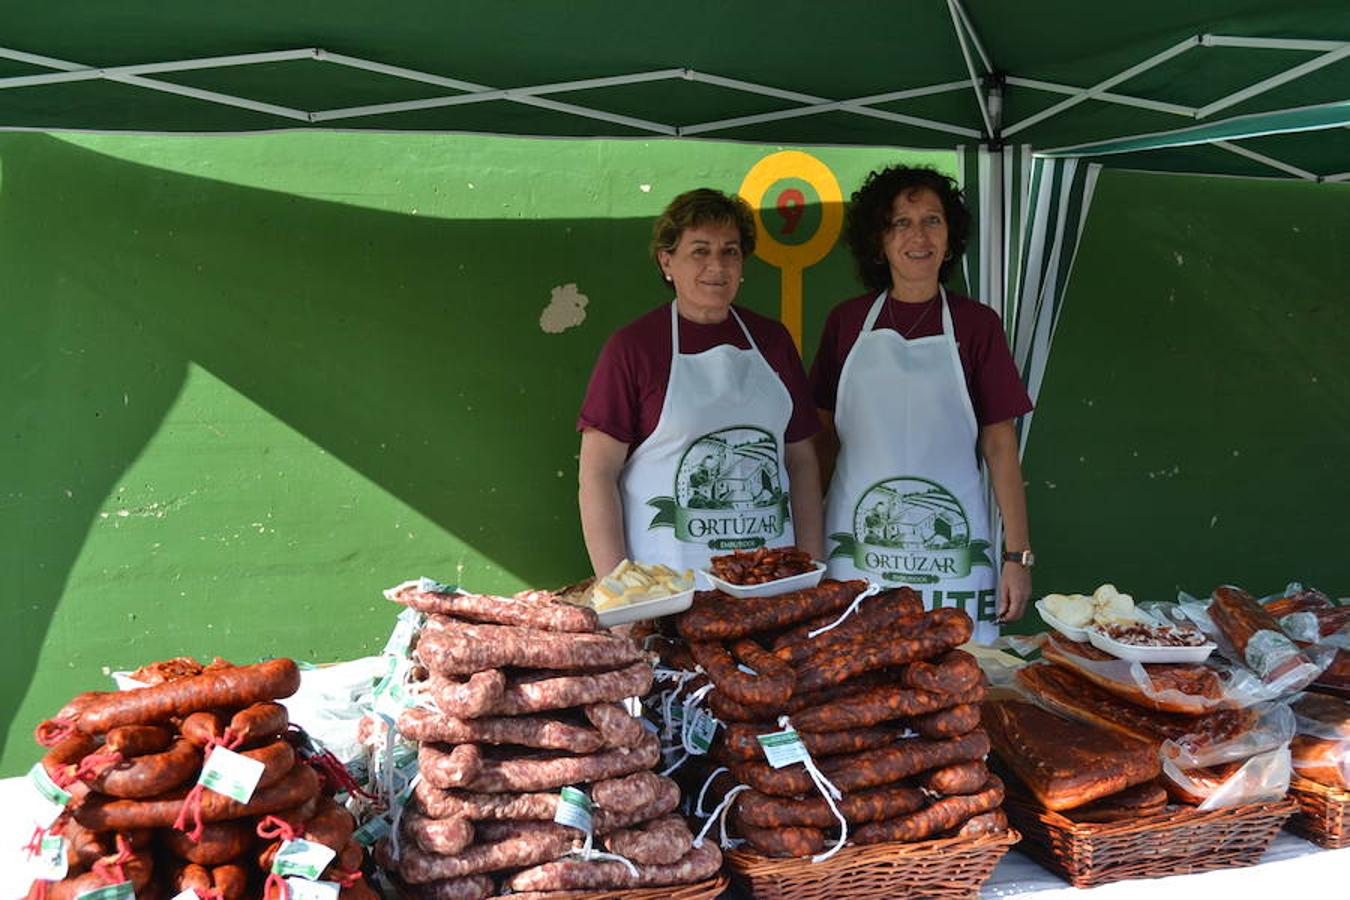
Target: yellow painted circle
794,164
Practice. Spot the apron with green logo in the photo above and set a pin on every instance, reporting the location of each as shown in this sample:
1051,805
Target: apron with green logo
710,479
907,505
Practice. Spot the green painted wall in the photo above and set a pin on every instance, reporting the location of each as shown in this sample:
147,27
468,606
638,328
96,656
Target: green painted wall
1194,426
248,382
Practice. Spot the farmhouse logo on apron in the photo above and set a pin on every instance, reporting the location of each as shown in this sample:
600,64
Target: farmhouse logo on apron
728,494
911,531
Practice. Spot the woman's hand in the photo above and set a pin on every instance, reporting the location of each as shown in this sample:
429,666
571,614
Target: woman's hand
1014,590
601,461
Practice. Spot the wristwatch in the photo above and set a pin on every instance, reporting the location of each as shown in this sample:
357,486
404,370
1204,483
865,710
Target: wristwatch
1021,557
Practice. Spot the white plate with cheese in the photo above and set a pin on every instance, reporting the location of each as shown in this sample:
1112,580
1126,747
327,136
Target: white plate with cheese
634,591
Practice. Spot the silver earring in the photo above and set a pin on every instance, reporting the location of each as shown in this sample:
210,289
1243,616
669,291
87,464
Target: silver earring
668,278
948,256
742,279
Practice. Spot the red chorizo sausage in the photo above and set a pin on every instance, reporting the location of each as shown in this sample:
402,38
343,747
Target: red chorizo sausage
870,768
888,611
958,778
231,688
992,822
108,814
878,705
788,840
64,757
220,843
940,631
138,740
152,774
943,815
948,722
875,805
138,870
204,727
770,687
954,672
717,617
258,722
740,740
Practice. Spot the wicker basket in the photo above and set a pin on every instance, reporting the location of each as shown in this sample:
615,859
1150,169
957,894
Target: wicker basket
1321,817
947,868
1178,841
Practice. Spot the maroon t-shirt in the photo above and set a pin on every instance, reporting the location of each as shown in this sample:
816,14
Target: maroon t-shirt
995,387
628,385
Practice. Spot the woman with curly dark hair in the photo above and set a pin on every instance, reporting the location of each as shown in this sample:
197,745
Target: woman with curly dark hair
914,385
697,427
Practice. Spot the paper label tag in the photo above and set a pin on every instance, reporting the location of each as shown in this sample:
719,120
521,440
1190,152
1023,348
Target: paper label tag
574,810
232,774
50,863
46,787
401,637
372,831
120,891
783,748
432,586
300,889
307,859
187,894
702,729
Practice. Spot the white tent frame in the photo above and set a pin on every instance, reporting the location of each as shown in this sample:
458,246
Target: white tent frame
989,102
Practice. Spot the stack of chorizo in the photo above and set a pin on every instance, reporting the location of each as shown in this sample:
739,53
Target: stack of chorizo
523,697
884,702
130,760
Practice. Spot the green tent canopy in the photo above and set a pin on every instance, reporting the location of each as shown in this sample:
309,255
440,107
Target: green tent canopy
1176,86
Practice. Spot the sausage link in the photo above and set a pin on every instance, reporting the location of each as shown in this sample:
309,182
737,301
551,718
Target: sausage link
878,705
740,740
615,724
855,771
138,870
948,722
453,648
699,864
992,822
629,793
658,842
61,760
958,778
528,847
138,740
467,887
717,617
331,825
152,774
258,723
525,774
278,758
943,815
788,840
940,631
420,724
954,672
455,767
535,609
230,688
100,813
470,697
887,611
204,727
538,694
443,836
770,687
220,843
887,802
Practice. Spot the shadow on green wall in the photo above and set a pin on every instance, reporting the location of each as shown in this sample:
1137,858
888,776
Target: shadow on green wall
409,348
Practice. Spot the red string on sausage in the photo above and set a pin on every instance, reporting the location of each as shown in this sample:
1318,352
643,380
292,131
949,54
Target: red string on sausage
276,881
110,869
273,827
333,770
96,764
192,803
38,890
53,731
344,877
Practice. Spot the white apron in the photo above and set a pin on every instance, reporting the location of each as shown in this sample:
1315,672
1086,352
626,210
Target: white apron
710,478
906,504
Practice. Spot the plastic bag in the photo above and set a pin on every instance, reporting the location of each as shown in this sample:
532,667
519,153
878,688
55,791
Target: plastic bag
1270,655
1263,777
1155,686
1271,728
1321,748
